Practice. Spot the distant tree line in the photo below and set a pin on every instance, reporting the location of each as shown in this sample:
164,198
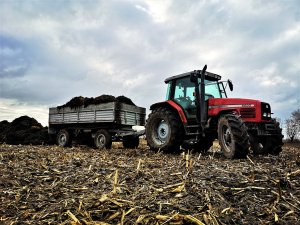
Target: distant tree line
293,125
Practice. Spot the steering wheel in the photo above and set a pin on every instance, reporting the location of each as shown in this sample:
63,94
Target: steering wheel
185,102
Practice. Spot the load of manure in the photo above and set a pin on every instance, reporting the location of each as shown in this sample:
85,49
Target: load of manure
80,101
23,130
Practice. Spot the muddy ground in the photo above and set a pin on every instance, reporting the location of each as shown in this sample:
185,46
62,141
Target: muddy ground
81,185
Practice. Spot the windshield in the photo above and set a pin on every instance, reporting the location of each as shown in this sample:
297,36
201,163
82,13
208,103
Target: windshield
215,89
182,91
184,88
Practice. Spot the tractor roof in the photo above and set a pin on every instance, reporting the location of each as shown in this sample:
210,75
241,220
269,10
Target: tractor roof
208,76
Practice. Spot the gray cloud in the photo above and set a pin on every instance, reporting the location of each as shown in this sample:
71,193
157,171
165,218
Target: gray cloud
52,51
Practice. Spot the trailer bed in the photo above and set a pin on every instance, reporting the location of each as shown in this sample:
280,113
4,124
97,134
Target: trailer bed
112,112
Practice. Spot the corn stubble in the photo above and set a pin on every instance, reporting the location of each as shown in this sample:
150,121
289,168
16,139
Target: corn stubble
80,185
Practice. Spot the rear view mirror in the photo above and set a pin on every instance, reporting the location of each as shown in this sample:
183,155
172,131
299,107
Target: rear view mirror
230,85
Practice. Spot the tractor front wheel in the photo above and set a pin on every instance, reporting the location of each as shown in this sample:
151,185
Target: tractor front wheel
164,130
233,136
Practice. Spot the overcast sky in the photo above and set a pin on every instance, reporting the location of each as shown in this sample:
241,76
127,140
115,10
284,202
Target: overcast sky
53,50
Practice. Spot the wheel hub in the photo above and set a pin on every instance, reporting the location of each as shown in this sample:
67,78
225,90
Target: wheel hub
62,139
227,138
101,140
163,131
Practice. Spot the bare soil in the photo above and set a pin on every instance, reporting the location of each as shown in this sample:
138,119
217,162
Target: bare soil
81,185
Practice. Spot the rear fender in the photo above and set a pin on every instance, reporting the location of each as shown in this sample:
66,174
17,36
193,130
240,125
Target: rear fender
171,105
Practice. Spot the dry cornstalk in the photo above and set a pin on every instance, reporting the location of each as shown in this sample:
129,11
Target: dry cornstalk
173,185
73,217
187,157
193,219
178,189
115,182
140,219
138,166
122,218
177,218
113,216
294,173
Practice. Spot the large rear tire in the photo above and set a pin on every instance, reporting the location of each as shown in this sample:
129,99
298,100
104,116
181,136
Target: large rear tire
164,130
233,136
64,138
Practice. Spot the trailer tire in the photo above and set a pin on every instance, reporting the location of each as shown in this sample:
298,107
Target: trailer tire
102,139
64,138
164,130
131,141
233,136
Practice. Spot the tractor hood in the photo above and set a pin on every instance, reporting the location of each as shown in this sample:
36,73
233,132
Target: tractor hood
250,110
234,102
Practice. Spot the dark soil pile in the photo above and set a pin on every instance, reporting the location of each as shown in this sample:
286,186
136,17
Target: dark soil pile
53,185
124,99
80,101
23,130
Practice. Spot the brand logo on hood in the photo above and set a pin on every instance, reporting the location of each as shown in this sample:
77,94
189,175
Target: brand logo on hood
231,106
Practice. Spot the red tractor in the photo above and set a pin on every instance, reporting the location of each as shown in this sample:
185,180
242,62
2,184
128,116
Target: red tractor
197,111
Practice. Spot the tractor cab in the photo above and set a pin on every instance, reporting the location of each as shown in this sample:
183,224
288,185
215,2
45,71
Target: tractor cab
181,89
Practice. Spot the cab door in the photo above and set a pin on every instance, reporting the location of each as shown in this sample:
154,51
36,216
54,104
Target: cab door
183,95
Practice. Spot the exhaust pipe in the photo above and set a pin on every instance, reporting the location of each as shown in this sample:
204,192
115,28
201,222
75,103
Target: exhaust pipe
200,96
203,116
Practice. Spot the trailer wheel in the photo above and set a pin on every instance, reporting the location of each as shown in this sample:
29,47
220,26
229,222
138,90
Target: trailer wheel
102,139
164,130
63,138
233,136
131,141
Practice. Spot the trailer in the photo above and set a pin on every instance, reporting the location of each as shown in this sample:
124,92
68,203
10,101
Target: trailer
100,124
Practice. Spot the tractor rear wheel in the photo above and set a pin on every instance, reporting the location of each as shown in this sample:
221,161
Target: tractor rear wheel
164,130
233,136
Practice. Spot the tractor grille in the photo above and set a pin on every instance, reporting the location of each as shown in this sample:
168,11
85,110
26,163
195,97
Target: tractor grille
248,112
